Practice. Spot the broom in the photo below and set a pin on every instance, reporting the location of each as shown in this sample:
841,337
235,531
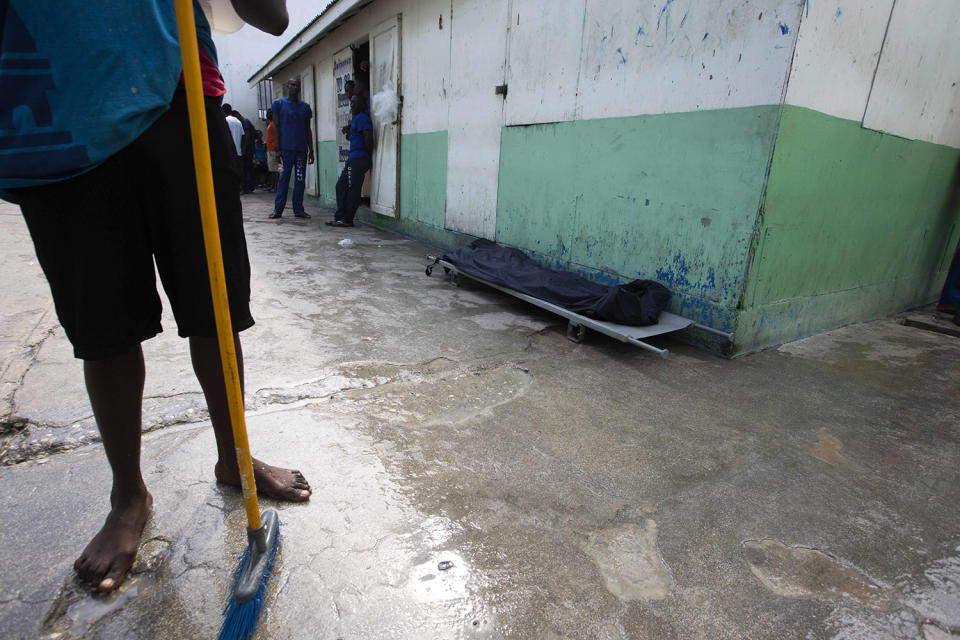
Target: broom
246,597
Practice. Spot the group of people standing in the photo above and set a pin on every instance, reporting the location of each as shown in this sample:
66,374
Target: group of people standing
287,151
251,151
290,149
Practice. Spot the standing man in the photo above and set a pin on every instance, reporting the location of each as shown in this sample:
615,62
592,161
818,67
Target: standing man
115,197
273,163
350,183
292,119
236,132
247,143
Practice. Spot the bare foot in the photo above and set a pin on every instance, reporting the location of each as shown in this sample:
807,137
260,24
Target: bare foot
112,551
281,484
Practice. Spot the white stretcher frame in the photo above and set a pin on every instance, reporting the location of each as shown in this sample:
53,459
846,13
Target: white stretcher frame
578,324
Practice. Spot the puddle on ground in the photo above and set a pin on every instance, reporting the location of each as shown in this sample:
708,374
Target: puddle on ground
797,572
441,578
826,450
76,610
628,558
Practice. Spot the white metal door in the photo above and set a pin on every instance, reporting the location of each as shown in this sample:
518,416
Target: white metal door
385,74
308,95
477,59
543,87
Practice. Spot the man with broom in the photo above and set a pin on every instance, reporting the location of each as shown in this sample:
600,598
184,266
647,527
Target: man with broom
105,179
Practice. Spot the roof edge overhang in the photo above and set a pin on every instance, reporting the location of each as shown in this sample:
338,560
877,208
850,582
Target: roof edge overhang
336,13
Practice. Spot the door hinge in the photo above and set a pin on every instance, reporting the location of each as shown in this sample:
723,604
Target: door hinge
501,90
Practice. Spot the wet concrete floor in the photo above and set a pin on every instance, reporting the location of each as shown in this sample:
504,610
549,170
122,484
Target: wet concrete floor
477,475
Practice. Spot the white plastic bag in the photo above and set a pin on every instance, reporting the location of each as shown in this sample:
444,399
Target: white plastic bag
221,16
384,105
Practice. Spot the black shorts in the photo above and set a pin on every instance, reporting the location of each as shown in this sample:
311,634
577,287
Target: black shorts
97,236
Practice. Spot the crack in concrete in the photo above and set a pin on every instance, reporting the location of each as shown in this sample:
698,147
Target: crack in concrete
33,351
25,444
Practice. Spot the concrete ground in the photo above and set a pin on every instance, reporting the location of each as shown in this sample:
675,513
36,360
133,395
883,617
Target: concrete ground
477,475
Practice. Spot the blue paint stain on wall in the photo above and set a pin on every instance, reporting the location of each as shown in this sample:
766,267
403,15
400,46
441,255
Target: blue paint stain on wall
705,36
684,21
807,3
664,17
839,12
623,59
784,29
640,33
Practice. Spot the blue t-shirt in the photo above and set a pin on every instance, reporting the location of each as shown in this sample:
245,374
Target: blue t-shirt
79,85
358,148
292,119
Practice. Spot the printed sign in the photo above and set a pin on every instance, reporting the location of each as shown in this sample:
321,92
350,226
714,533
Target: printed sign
342,71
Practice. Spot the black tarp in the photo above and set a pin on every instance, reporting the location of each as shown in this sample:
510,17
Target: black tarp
638,303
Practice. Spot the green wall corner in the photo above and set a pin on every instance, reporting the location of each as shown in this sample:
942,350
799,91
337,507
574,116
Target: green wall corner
670,197
855,225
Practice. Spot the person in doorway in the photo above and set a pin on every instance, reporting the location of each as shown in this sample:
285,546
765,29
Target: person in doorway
236,132
292,119
119,198
358,163
247,144
273,162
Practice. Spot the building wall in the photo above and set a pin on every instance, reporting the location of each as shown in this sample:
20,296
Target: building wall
860,215
635,145
663,140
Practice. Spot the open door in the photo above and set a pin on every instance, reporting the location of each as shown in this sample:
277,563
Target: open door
385,72
308,95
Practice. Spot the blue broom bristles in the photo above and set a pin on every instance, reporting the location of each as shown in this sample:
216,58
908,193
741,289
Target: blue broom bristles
240,620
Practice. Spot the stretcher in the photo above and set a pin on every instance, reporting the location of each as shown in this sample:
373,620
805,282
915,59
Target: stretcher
577,324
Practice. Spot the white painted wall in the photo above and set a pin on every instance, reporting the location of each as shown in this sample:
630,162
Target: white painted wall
683,55
893,65
837,52
916,92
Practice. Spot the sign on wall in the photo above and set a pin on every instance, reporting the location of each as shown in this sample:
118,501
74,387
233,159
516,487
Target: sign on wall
342,71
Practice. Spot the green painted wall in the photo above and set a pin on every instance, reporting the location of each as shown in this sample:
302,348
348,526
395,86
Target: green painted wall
326,155
423,192
855,224
423,177
668,197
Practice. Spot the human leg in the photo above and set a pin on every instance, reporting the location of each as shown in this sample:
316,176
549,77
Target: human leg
96,257
115,387
181,262
342,183
300,175
278,483
356,167
284,183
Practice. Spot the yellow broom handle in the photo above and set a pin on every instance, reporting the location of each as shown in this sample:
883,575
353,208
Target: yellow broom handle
211,239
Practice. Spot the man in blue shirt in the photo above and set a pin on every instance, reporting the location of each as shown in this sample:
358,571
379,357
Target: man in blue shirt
358,163
106,183
291,117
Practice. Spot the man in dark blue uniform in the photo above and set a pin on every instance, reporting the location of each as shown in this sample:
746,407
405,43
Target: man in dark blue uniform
358,163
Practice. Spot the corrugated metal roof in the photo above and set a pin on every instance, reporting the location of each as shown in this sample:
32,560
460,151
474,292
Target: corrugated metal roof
285,54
